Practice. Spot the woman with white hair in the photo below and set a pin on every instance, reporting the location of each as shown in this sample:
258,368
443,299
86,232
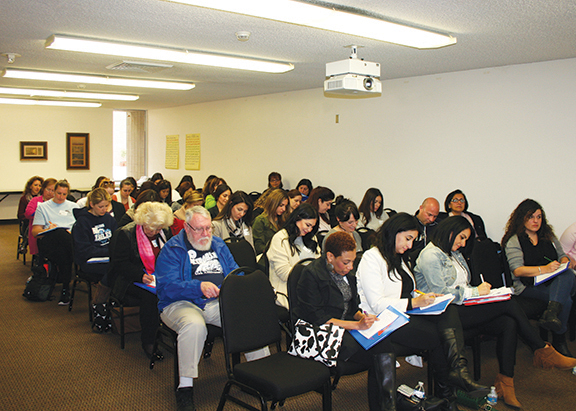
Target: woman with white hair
135,248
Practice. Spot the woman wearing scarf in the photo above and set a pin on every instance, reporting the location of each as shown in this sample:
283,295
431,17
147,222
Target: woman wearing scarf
136,247
235,219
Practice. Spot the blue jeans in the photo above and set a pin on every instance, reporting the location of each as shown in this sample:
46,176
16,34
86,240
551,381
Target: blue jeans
560,289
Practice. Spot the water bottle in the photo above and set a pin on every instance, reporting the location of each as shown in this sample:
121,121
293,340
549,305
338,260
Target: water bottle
492,398
419,392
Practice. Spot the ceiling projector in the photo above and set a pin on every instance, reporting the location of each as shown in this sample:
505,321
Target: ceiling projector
352,78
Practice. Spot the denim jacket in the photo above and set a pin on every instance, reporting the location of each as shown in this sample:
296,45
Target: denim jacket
435,273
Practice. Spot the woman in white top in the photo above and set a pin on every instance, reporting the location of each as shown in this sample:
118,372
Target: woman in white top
371,209
235,219
384,279
295,242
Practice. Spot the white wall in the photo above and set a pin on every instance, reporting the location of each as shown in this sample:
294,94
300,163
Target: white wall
500,134
22,123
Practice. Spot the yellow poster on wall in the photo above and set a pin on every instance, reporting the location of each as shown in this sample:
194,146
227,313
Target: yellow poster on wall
172,152
192,156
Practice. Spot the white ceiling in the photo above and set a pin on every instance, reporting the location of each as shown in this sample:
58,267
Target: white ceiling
490,33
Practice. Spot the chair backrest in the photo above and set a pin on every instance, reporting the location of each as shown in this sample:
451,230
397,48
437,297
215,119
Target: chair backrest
254,195
242,251
320,235
248,313
292,286
488,259
368,237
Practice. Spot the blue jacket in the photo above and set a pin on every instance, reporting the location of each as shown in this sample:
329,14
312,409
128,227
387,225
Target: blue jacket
174,272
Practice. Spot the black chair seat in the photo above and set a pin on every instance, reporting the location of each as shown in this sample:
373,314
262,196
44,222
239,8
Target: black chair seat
273,376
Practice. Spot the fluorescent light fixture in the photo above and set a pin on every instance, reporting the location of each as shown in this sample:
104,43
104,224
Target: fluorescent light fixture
25,102
306,14
109,48
66,94
108,81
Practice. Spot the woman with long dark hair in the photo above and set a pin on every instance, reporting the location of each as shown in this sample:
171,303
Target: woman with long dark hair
235,219
384,279
347,216
31,190
321,199
532,249
371,209
441,268
221,195
295,242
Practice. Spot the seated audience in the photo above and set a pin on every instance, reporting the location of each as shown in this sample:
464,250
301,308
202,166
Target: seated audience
294,198
190,270
532,249
457,204
347,216
426,216
295,242
442,269
136,247
191,198
271,219
123,195
321,199
327,294
92,232
221,195
235,219
51,227
385,279
371,209
305,187
46,193
31,190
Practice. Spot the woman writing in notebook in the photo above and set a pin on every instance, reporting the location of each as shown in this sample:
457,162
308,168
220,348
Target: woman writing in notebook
441,268
384,279
532,249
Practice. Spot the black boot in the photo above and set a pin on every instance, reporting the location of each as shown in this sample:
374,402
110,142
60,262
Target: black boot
459,375
559,343
382,383
549,319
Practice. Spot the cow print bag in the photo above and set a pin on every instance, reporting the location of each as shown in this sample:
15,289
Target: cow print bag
320,343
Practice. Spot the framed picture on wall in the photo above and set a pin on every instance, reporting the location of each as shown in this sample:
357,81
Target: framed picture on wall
33,150
77,151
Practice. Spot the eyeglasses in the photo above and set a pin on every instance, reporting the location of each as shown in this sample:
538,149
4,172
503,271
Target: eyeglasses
198,230
107,184
458,200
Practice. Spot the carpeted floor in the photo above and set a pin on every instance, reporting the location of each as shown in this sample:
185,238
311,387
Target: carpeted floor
52,361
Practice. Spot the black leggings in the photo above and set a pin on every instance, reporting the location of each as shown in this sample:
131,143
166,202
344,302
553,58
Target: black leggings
149,316
57,246
505,320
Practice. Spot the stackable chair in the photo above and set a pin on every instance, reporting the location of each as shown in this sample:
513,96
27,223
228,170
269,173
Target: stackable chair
250,322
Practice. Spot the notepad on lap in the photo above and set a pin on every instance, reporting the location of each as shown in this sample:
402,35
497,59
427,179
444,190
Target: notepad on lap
437,307
389,321
542,278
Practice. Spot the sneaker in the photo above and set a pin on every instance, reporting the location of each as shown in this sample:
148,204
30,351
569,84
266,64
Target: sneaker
185,399
64,298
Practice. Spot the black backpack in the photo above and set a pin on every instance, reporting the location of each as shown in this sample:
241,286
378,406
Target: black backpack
40,284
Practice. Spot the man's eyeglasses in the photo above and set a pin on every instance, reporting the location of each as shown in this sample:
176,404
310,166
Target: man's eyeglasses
199,230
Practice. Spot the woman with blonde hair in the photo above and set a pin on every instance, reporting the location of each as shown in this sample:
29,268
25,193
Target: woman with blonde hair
135,250
92,232
271,220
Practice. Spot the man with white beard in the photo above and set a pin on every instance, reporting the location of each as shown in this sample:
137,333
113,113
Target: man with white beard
189,272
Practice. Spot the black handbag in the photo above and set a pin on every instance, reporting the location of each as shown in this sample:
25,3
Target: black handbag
404,403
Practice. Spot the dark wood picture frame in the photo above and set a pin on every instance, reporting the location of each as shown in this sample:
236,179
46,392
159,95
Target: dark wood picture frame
33,150
77,151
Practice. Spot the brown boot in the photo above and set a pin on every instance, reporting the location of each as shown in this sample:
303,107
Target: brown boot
505,389
548,357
